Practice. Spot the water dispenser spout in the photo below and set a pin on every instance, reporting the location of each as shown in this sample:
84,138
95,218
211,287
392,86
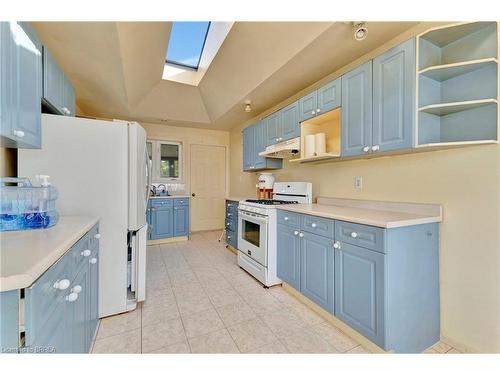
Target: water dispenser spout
44,179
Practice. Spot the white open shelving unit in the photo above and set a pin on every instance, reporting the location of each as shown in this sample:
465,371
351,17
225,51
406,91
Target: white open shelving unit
457,85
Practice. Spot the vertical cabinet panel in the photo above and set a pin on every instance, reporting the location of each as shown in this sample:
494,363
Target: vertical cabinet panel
359,290
357,110
316,271
273,128
162,218
79,311
52,81
93,293
290,127
394,97
329,96
259,145
248,147
181,221
20,86
307,106
288,255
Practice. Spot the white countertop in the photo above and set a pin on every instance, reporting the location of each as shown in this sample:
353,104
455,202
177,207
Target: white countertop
375,213
169,196
237,199
26,255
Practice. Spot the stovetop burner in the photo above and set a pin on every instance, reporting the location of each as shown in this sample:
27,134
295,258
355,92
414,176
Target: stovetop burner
270,202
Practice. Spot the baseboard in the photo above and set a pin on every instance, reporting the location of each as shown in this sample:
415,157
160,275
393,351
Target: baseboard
232,249
167,240
334,321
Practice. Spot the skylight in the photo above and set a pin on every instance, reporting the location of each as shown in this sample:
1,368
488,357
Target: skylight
187,40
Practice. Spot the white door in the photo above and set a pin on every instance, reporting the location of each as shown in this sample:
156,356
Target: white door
139,176
208,187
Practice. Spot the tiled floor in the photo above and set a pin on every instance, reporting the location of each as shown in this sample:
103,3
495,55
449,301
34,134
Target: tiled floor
200,301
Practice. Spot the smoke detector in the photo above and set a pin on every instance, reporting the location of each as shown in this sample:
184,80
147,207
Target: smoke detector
360,31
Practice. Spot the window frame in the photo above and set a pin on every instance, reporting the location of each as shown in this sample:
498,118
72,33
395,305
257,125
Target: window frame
156,161
185,66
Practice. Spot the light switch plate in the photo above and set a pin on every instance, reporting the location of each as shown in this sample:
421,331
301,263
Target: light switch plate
358,182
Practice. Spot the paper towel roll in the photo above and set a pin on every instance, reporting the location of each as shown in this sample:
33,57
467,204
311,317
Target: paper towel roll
310,145
320,143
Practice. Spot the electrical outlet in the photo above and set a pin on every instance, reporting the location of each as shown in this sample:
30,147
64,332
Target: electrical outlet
358,182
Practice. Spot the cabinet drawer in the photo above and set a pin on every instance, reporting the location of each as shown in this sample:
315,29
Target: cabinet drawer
289,218
232,238
361,235
231,206
317,225
162,202
43,297
79,254
231,225
181,201
232,215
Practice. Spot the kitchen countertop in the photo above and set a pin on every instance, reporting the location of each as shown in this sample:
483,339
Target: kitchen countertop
237,199
169,196
375,213
26,255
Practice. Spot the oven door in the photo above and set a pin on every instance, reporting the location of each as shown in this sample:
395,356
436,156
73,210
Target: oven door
252,236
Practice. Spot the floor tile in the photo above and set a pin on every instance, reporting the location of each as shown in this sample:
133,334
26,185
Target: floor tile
251,334
307,341
201,323
193,305
179,348
335,337
162,334
358,350
214,342
283,323
306,314
275,347
116,324
128,342
223,297
441,347
155,314
235,313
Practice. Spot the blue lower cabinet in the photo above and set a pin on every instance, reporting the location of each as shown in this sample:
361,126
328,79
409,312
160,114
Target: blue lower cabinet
316,269
359,290
9,313
162,222
79,309
232,238
288,262
93,293
181,221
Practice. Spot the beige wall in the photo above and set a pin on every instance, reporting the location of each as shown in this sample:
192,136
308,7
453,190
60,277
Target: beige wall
465,181
188,136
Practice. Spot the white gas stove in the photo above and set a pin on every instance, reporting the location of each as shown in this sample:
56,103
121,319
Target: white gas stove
257,229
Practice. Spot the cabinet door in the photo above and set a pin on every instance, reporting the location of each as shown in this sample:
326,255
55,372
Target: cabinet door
290,127
58,331
93,293
80,311
149,220
69,105
259,145
316,269
359,290
308,106
248,147
162,222
52,82
181,220
329,96
8,96
394,97
357,110
273,128
289,255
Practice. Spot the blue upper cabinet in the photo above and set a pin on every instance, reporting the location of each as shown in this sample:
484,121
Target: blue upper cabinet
20,86
308,106
394,98
273,128
254,142
356,134
58,93
329,96
290,127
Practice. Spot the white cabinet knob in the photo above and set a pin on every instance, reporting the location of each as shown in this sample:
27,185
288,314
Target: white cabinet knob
97,236
93,261
61,284
228,237
76,289
336,245
375,148
66,110
314,225
296,232
286,218
301,234
277,139
366,149
85,253
354,234
72,297
229,214
318,110
313,112
19,133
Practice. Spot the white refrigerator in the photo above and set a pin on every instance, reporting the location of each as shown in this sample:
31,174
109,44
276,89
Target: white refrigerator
101,168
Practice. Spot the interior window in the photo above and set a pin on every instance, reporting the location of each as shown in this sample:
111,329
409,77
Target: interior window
169,161
166,158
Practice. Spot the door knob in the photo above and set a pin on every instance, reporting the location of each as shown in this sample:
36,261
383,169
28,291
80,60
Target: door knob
301,234
366,149
375,148
93,261
61,284
336,245
72,297
19,133
76,289
85,253
313,225
296,232
194,195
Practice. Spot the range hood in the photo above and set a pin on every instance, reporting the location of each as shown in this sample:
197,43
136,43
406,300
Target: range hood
283,150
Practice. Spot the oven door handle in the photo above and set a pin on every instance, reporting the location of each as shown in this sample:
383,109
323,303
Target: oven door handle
254,219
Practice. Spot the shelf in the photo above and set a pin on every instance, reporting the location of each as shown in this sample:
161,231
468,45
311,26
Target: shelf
448,108
326,156
444,72
443,36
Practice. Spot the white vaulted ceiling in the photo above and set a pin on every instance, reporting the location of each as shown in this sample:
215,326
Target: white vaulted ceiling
116,67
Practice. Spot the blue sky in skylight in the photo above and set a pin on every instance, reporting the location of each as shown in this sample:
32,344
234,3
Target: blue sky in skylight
186,43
